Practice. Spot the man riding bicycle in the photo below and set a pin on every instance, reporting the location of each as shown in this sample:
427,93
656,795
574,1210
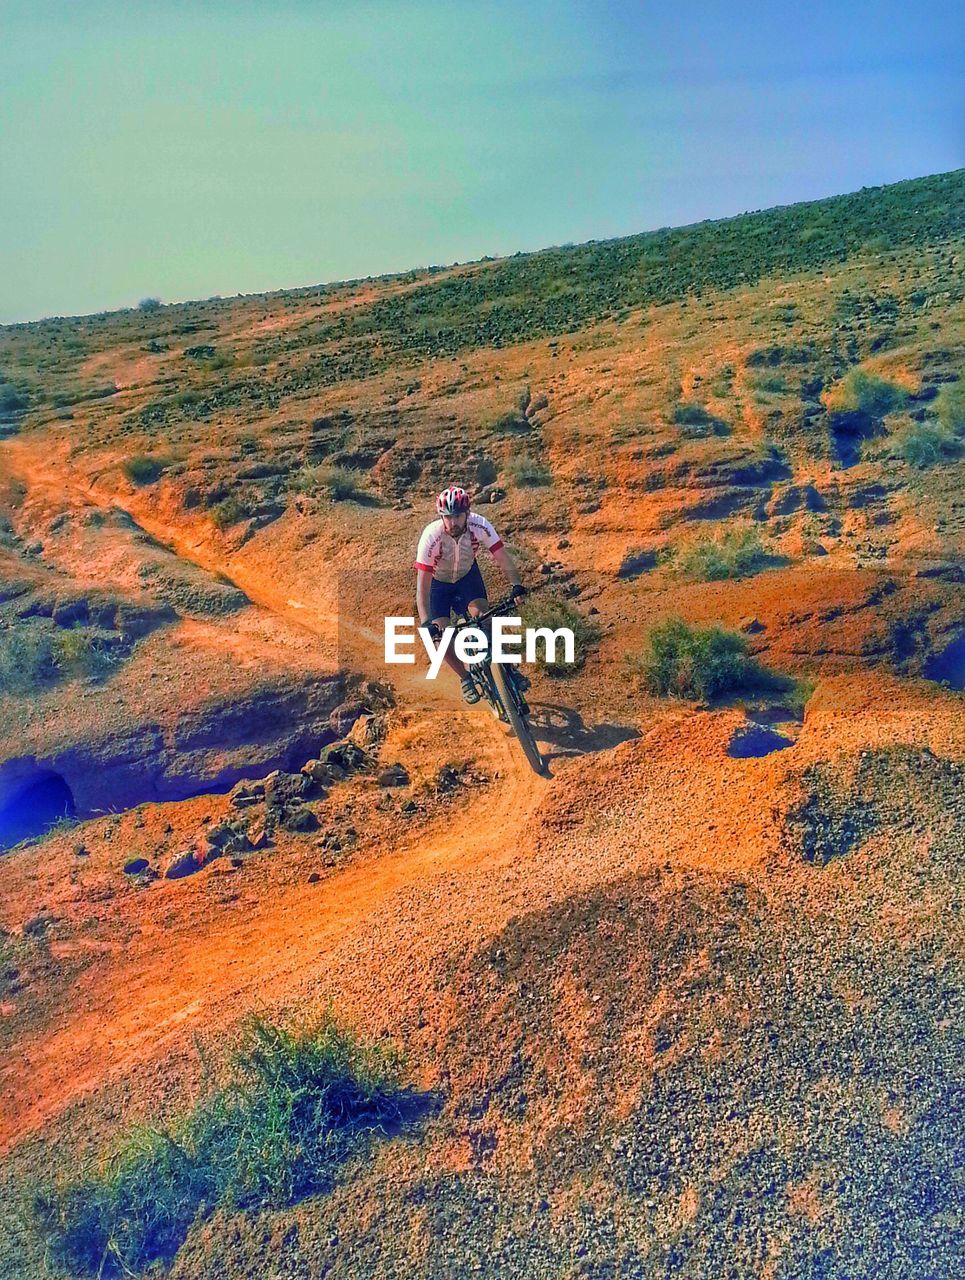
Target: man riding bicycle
447,575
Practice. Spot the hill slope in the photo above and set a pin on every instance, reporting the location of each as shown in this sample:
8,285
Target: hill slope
687,1006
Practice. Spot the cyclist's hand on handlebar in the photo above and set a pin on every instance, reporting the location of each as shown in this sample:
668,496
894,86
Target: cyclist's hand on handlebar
518,591
435,632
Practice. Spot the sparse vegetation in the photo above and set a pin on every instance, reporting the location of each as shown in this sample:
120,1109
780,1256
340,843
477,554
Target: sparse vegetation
865,393
950,408
150,304
550,611
733,553
694,662
527,472
296,1102
33,655
11,400
337,483
926,445
145,468
696,420
228,512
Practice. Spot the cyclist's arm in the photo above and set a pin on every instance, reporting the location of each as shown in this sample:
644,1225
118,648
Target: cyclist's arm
507,564
423,582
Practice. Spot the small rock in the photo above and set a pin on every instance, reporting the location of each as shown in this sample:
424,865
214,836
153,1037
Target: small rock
136,866
298,818
182,864
562,544
447,779
314,878
753,626
367,731
81,851
394,776
38,925
344,716
409,808
283,789
259,836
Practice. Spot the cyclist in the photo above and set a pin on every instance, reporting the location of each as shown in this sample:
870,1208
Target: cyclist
448,577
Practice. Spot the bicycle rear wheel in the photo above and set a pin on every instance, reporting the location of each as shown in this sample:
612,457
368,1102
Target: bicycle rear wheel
519,725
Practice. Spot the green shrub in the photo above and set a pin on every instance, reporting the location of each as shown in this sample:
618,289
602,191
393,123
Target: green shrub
861,392
696,421
149,304
550,611
694,662
81,651
11,400
771,383
925,445
737,553
144,469
228,512
950,407
527,472
687,413
337,483
27,659
33,655
295,1104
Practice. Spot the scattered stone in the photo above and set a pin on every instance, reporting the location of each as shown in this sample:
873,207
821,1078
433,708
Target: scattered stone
81,851
282,789
38,925
447,779
136,866
244,794
259,835
367,731
409,808
394,776
562,544
346,756
753,626
227,837
344,716
298,818
182,864
314,878
322,773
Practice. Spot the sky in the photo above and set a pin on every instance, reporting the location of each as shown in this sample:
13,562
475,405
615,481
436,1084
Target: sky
187,148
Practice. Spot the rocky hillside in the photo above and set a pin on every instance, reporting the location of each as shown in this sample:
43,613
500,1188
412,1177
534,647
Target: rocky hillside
688,1005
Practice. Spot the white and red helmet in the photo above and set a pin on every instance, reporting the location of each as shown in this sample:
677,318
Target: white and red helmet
452,500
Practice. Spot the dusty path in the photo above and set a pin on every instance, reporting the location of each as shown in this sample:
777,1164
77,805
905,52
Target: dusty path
206,966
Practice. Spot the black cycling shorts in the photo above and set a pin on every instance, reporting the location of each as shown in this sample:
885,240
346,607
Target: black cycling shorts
455,596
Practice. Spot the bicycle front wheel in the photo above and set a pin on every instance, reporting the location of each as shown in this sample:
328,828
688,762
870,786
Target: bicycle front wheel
519,725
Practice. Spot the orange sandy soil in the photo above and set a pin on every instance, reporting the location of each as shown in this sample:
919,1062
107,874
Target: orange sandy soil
644,825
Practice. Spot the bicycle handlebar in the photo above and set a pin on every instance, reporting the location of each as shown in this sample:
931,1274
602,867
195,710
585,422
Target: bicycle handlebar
464,620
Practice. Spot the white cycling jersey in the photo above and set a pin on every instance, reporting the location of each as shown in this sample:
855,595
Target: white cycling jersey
448,558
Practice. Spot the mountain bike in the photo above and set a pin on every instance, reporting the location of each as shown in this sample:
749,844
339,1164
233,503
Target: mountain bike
499,685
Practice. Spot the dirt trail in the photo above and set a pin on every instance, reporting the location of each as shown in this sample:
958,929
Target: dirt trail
206,969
